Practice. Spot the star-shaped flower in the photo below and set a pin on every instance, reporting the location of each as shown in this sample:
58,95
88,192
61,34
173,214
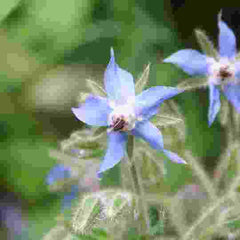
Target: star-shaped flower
221,68
124,113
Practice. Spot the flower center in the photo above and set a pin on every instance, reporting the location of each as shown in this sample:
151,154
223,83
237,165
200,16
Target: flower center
119,123
221,72
122,118
225,72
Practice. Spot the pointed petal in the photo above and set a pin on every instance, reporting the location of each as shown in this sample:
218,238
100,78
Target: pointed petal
232,93
119,83
173,157
115,151
151,134
58,172
147,103
214,106
191,61
94,111
226,41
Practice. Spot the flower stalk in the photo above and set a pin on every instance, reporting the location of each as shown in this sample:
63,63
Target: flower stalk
136,183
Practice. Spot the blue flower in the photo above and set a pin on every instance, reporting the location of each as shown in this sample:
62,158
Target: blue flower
223,71
60,172
124,113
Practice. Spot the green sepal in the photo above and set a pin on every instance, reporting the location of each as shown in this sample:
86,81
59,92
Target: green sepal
161,120
95,88
142,81
193,83
205,44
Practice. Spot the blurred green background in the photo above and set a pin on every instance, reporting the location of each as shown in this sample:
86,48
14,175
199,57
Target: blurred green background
47,50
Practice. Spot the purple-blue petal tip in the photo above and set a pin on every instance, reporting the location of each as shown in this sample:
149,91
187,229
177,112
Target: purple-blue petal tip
99,175
174,157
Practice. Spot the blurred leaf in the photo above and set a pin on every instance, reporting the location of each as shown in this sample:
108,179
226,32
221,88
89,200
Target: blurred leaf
102,29
15,62
157,229
48,33
6,7
23,168
97,234
41,216
234,224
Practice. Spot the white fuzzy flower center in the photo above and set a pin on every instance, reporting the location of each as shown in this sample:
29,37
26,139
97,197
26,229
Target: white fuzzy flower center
221,72
123,117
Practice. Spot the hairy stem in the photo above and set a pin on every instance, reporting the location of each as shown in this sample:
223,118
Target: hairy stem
138,189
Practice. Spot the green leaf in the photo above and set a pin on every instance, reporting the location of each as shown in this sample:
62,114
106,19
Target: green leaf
234,224
26,169
205,44
157,229
42,218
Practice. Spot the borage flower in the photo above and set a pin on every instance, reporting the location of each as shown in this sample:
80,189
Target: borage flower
124,113
60,173
221,68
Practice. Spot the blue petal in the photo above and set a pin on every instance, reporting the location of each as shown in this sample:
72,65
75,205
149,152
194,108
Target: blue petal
226,41
232,93
191,61
173,157
58,172
214,107
94,111
147,103
68,197
116,150
119,83
151,134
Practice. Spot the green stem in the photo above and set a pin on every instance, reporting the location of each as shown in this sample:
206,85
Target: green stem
138,189
232,127
130,148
